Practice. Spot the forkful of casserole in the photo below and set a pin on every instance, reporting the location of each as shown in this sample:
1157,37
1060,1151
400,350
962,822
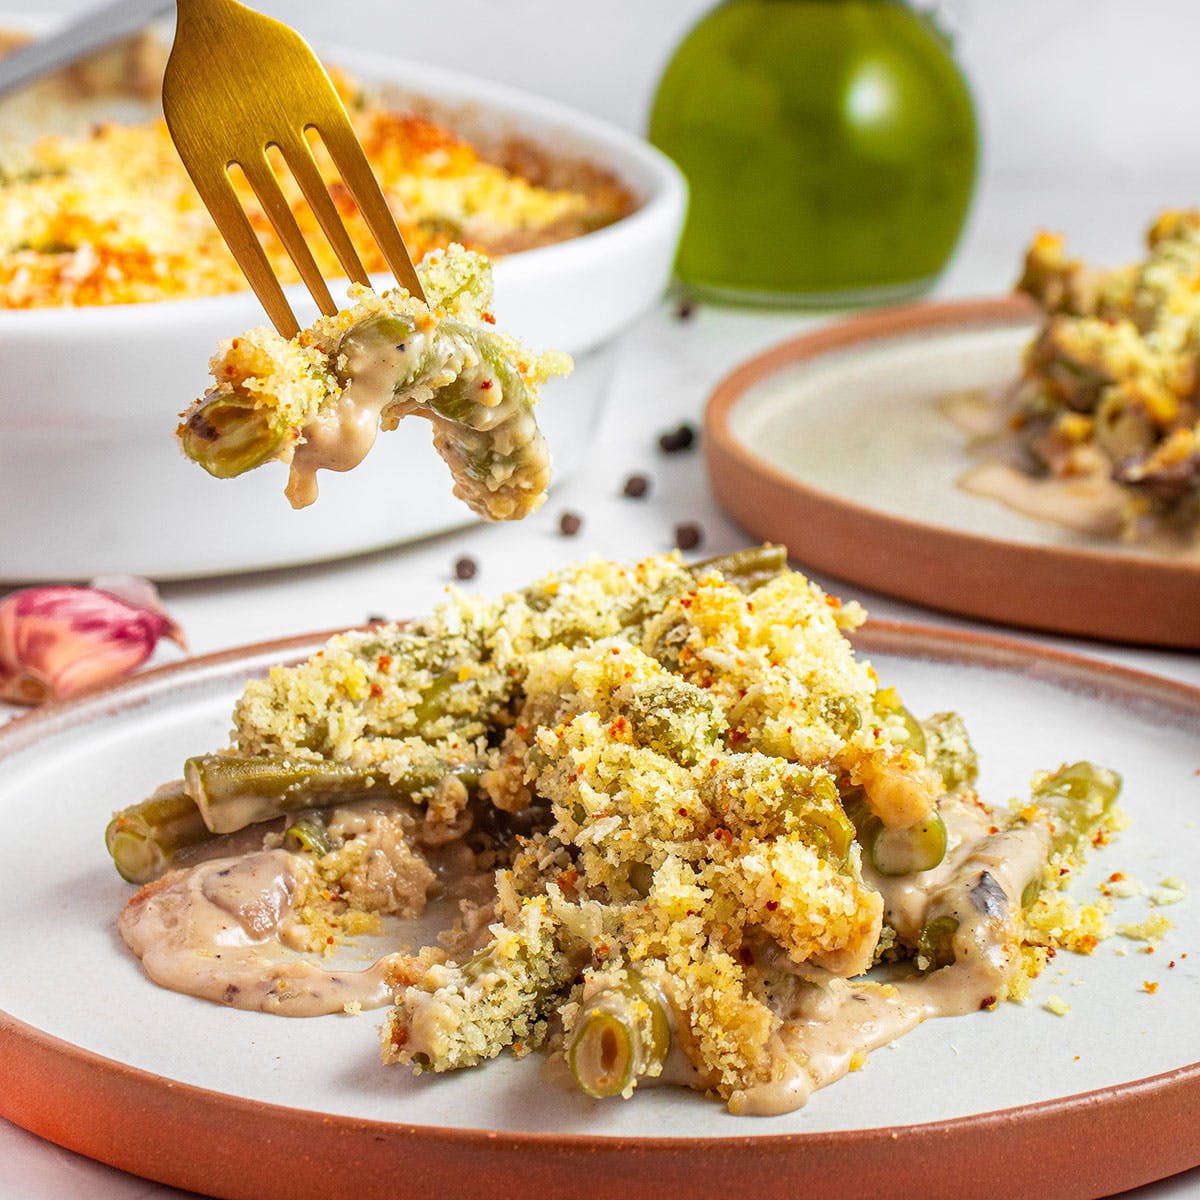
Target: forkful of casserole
243,91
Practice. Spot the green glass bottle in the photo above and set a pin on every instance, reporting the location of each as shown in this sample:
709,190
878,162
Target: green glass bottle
830,147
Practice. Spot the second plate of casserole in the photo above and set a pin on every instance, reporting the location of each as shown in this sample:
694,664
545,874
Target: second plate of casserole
837,443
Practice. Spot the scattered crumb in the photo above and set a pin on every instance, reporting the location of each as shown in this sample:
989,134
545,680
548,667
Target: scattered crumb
1171,890
1057,1005
352,1008
1151,929
1150,986
1121,886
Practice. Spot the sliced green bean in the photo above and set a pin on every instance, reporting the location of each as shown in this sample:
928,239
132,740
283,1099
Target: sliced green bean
814,799
936,943
906,851
232,792
363,341
307,834
621,1034
948,749
896,851
1078,796
748,569
145,839
887,704
914,734
229,434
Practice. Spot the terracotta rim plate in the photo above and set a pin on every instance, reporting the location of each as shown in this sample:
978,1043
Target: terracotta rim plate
831,444
1012,1103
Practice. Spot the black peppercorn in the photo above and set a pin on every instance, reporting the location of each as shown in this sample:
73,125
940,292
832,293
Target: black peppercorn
682,437
688,535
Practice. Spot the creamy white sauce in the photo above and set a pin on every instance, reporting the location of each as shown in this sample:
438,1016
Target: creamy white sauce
829,1028
1089,504
224,928
221,930
1092,504
341,437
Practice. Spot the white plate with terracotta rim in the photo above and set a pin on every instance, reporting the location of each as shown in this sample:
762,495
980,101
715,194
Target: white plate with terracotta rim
240,1104
832,444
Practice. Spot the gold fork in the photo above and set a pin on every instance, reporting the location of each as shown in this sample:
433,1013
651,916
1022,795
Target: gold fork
238,83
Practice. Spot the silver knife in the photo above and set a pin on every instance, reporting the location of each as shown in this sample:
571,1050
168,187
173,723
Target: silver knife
78,38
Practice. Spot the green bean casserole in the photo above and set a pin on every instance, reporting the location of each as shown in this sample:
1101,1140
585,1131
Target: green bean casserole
683,833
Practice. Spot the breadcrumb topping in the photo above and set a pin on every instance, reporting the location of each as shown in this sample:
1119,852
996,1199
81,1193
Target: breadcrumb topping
112,217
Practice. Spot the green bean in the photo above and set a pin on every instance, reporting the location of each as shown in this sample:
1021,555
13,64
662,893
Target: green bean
906,851
309,835
1072,803
363,341
458,400
814,799
914,733
466,378
948,749
232,792
432,705
145,839
674,717
896,851
229,434
887,704
621,1034
748,569
936,942
977,910
1078,796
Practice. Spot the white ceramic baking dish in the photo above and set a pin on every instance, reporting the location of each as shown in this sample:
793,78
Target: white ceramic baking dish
91,480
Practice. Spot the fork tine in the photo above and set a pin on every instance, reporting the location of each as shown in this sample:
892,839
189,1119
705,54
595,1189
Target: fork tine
346,150
266,187
299,157
221,201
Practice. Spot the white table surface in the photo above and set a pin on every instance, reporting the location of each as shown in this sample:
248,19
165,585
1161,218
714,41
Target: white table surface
667,368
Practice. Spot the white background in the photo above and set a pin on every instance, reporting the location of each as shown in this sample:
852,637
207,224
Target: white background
1088,112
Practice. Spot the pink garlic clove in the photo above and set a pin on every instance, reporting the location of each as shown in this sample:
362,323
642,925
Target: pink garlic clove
58,641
